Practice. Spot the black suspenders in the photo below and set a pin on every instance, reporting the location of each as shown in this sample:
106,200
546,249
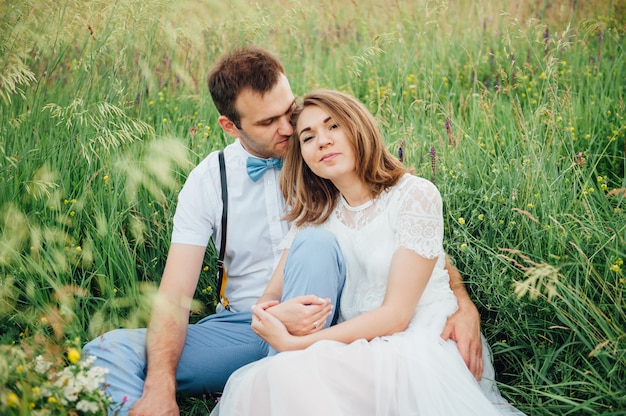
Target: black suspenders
222,277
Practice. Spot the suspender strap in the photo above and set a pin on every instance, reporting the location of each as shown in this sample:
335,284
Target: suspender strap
222,277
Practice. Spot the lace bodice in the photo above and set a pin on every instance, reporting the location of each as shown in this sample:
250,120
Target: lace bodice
408,215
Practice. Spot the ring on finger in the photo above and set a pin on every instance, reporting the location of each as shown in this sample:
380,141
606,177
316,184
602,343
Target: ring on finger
315,324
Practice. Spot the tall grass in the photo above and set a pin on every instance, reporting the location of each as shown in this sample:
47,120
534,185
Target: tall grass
516,111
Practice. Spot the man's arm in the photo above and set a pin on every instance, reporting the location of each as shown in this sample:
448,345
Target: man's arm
464,325
168,329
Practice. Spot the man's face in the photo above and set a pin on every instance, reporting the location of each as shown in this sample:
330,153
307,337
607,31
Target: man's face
265,126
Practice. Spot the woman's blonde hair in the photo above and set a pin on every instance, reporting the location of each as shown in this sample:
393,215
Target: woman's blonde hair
311,199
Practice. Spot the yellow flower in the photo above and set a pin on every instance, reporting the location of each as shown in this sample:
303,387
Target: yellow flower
205,268
481,217
51,399
619,262
79,248
72,213
73,355
106,178
615,268
461,220
463,246
13,400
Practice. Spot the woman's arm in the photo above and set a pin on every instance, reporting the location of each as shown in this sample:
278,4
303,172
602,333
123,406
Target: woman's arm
408,276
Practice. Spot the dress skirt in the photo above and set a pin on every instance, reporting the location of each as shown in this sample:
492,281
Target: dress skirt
413,372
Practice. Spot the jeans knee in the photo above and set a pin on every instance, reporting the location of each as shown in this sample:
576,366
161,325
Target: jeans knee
113,342
315,238
315,252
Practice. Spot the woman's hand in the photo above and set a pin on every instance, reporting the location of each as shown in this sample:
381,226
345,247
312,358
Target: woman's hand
302,315
270,328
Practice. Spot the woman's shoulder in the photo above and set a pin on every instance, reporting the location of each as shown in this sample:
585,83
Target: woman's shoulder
413,183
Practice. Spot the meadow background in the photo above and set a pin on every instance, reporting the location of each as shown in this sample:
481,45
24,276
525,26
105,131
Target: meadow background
515,110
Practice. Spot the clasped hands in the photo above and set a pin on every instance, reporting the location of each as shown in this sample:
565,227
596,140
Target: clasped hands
279,323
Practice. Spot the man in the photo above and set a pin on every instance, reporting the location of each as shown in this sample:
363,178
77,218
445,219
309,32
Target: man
147,367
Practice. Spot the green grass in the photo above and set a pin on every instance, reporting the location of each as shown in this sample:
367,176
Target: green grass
104,110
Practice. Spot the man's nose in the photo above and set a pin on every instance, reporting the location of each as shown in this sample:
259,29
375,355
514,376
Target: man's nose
285,128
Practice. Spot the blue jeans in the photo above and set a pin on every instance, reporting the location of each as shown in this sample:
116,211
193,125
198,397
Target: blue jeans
223,342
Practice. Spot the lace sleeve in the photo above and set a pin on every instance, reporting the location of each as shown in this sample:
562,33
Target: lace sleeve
420,218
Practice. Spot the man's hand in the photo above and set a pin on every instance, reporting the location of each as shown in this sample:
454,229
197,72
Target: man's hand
464,328
302,315
156,403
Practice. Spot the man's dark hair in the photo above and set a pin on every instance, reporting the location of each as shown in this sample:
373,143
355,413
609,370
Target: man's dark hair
246,67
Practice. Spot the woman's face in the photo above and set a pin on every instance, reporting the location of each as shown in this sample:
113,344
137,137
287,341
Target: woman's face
324,145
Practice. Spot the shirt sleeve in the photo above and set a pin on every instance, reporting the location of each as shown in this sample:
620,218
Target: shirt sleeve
420,218
194,220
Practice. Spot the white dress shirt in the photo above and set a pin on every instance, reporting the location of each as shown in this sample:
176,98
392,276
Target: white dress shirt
255,228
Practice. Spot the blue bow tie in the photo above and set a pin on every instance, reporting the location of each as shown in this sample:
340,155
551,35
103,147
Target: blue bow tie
256,167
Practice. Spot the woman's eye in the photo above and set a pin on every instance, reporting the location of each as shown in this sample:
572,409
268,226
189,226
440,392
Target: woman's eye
334,126
307,138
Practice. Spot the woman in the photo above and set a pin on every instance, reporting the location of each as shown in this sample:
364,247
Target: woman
385,356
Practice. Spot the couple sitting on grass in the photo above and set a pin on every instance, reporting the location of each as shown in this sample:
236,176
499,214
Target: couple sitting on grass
358,317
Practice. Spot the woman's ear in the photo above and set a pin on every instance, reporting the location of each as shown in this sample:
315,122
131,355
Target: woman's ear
229,127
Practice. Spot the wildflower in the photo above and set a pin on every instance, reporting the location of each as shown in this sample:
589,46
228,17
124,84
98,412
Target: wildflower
463,246
52,400
13,400
615,268
164,120
433,162
19,368
87,406
530,205
73,355
461,220
106,178
72,213
205,268
481,217
79,248
401,151
41,365
579,159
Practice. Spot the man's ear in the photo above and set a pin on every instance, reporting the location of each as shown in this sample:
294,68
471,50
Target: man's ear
229,127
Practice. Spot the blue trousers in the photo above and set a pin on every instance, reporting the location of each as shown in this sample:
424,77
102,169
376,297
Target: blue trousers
223,342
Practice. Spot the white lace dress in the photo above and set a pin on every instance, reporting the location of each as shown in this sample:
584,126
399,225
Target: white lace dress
413,372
